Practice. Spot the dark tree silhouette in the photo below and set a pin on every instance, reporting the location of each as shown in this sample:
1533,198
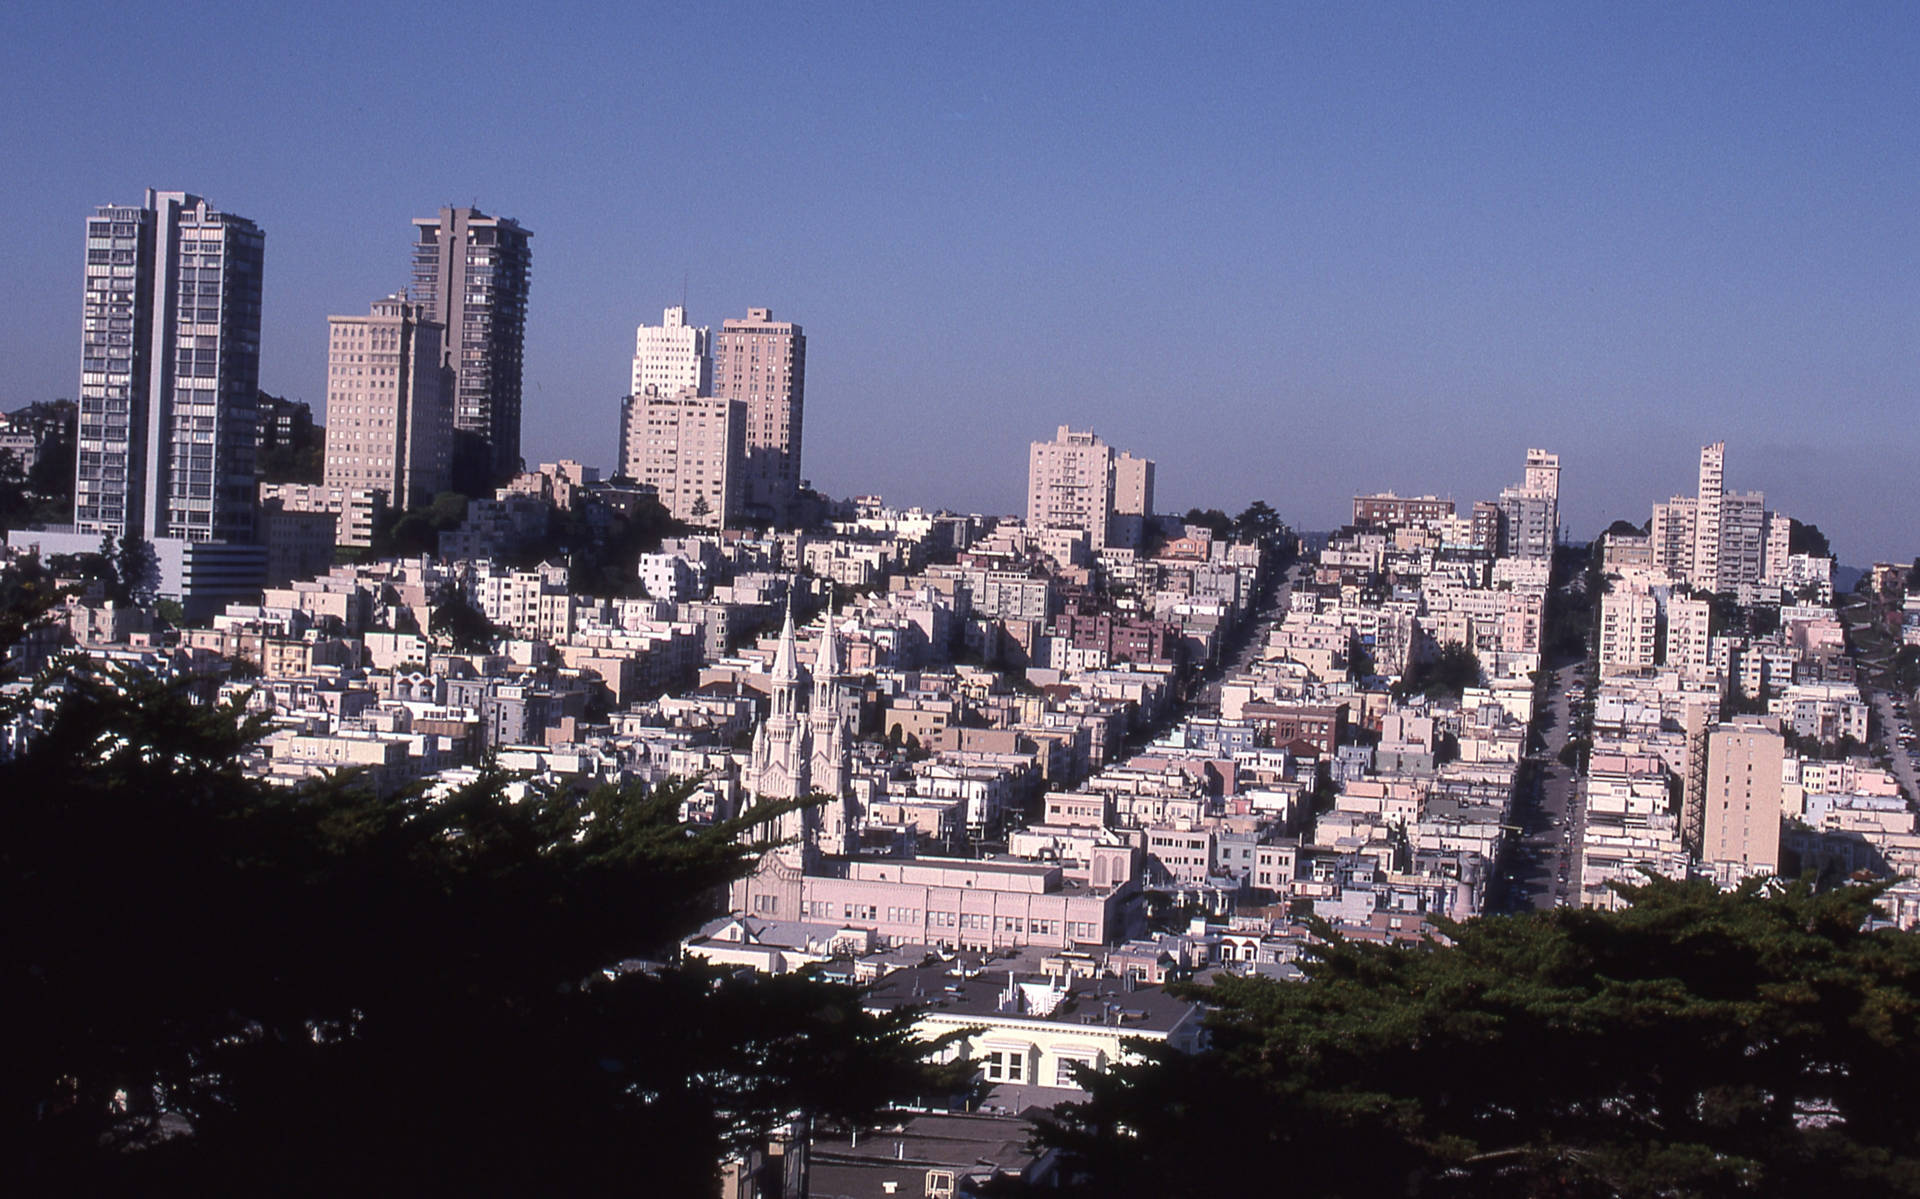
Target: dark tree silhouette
218,987
1759,1042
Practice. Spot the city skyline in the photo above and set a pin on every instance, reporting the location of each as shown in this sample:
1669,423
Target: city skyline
1297,257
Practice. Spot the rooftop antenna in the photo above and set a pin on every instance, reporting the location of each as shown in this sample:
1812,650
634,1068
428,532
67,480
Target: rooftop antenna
683,290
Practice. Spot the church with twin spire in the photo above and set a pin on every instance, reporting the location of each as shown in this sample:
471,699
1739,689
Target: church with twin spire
802,748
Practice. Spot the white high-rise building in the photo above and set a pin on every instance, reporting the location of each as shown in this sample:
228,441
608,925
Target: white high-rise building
1531,511
1743,543
1076,481
1543,473
1706,521
1673,535
170,372
671,357
1629,631
1689,638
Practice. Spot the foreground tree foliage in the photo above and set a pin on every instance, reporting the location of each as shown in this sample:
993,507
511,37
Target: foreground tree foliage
221,988
1698,1043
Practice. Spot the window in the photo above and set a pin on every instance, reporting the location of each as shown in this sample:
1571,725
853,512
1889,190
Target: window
1006,1065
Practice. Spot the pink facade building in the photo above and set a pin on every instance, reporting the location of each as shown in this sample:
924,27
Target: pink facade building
955,902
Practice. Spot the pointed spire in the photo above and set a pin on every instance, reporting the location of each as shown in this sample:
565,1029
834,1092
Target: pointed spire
786,663
827,665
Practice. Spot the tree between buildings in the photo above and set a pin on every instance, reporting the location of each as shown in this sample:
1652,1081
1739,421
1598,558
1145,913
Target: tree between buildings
457,623
1698,1043
1446,675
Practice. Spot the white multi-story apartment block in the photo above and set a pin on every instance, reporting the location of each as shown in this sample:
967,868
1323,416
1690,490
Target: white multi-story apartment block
170,372
1629,631
1672,536
1531,511
672,356
1689,638
1779,549
356,510
1743,543
1706,523
1077,481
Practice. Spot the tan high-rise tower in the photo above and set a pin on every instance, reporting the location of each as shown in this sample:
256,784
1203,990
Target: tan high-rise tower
389,403
763,362
690,448
1742,797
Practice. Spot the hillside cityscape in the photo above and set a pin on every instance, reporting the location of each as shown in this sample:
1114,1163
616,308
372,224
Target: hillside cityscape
338,738
923,601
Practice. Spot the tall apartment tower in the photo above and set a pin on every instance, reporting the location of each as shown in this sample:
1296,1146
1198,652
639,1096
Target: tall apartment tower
763,363
1689,641
690,448
1741,833
1743,542
470,274
1706,520
1779,548
1132,500
1076,481
1672,536
1070,483
1629,631
389,403
170,372
1531,511
1543,473
672,356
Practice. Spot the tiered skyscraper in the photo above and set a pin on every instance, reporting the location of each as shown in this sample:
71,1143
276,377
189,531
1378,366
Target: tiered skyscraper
470,273
671,356
170,372
764,362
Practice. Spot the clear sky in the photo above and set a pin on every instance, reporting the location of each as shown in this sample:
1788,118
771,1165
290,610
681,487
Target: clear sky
1290,251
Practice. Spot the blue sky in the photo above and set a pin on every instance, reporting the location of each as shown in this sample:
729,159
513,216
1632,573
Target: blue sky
1288,251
